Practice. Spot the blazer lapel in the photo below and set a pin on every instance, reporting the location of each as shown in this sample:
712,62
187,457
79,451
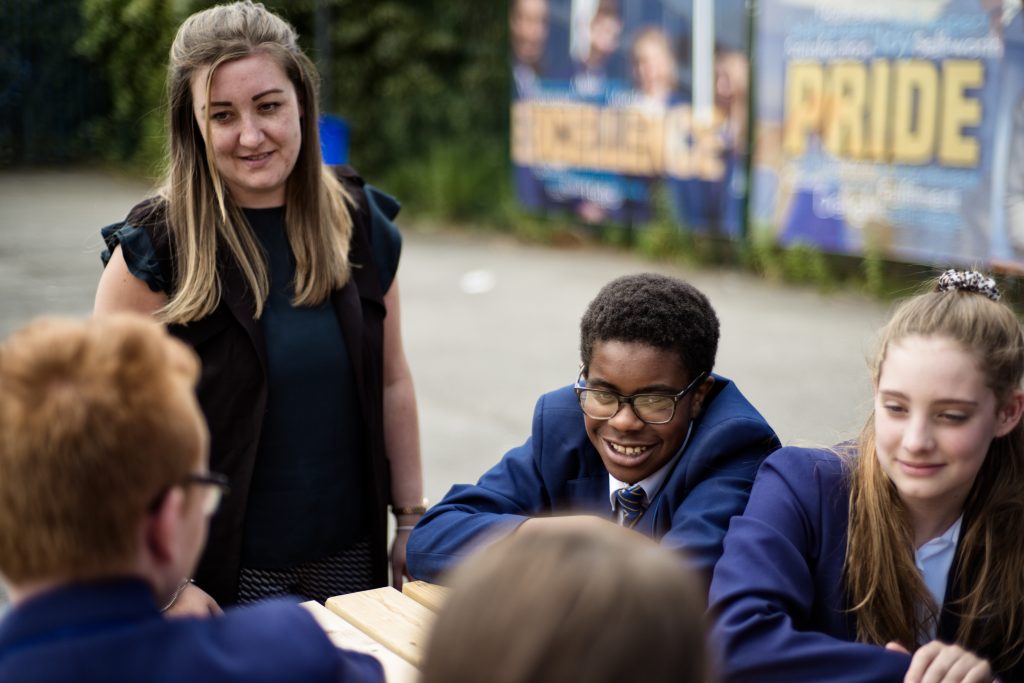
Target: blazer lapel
656,518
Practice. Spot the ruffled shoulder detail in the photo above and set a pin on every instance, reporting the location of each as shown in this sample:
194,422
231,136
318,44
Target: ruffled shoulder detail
385,238
143,239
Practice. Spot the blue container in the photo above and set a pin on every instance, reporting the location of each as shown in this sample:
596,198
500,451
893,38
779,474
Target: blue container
333,139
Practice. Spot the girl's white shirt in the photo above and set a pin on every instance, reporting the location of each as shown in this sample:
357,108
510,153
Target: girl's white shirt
933,560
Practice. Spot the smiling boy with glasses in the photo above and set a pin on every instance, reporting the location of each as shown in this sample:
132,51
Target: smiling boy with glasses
104,503
647,436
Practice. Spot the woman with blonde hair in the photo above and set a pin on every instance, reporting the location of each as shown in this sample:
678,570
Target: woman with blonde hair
580,600
280,273
900,558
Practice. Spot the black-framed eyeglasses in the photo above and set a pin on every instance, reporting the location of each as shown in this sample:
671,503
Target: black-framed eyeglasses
216,488
653,409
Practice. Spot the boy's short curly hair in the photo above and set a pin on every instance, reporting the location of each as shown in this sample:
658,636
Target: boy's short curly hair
657,310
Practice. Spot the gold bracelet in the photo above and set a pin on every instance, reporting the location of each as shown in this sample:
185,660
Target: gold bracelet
410,509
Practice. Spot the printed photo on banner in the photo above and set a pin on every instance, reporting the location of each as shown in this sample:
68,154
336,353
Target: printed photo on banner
621,109
894,129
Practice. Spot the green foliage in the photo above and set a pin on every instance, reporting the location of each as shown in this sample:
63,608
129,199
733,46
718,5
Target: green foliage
424,85
454,180
532,228
663,238
129,40
800,263
665,242
760,254
873,269
806,264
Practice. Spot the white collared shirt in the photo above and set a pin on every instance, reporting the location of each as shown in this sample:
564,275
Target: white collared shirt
652,484
933,560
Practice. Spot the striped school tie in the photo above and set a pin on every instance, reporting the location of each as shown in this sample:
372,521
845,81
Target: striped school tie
631,502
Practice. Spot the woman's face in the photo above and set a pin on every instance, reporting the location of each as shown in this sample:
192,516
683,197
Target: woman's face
934,421
255,131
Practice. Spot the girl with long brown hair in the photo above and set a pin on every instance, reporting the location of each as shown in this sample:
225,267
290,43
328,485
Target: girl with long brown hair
900,557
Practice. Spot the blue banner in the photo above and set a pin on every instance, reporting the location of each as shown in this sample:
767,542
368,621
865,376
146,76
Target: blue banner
617,104
893,128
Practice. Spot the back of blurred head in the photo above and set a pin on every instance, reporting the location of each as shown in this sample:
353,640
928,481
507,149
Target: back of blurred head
594,603
98,422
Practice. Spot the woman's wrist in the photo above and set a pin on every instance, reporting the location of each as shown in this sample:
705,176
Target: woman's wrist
414,509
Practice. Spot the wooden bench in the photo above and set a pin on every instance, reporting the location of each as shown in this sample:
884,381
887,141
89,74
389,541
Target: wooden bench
397,621
384,623
429,595
345,635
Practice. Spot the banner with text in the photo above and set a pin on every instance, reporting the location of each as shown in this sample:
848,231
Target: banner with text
615,104
894,128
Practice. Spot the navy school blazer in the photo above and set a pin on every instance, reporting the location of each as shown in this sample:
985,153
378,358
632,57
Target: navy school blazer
112,632
777,594
558,471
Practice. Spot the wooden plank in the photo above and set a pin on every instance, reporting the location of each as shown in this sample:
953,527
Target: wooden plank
387,616
345,635
430,595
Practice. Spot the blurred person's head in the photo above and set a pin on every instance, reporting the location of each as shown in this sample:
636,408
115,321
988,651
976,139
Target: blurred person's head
731,79
596,603
243,133
100,432
654,65
528,25
652,335
605,30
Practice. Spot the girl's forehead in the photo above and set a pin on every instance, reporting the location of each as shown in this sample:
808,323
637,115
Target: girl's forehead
919,364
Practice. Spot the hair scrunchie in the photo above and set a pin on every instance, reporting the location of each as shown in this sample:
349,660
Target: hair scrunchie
968,281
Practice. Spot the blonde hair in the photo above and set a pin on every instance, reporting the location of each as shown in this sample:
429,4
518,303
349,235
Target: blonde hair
882,580
596,604
96,419
200,213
